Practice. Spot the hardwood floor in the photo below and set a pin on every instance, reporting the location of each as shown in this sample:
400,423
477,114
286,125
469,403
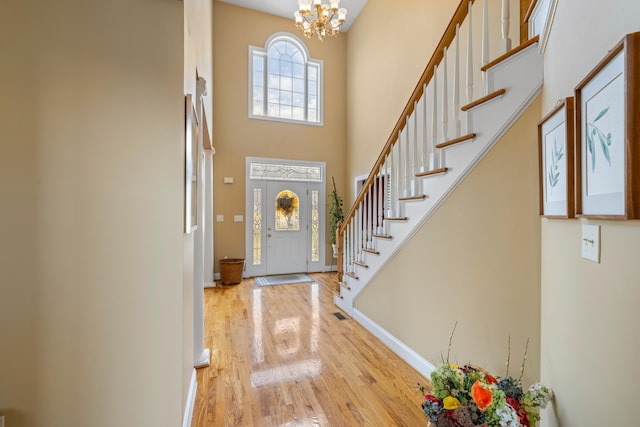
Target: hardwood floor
281,358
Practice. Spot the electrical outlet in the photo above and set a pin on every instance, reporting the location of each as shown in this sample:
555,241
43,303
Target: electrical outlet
237,218
219,218
591,242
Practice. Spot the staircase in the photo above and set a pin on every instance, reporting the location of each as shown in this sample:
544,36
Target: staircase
436,142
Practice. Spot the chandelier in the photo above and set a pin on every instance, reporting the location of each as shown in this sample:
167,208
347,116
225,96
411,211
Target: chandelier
322,20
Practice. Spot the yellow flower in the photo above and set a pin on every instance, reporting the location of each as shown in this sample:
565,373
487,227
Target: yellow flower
452,366
450,403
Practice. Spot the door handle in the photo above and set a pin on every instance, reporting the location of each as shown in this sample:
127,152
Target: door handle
269,235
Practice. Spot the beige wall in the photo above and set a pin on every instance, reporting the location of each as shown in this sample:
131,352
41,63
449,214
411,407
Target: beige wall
388,49
589,310
17,217
235,136
93,278
476,261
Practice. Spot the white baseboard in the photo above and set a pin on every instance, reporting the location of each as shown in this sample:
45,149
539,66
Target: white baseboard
210,285
191,401
216,276
204,359
330,268
420,364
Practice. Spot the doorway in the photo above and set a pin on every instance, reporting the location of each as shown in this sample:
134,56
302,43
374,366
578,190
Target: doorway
285,211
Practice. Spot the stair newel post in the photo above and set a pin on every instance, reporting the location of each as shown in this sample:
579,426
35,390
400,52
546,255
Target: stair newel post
485,41
456,85
340,250
433,162
506,16
425,148
470,57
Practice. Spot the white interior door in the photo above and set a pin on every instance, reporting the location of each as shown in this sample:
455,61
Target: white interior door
287,214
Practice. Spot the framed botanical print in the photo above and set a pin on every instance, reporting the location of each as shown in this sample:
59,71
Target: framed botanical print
555,161
608,135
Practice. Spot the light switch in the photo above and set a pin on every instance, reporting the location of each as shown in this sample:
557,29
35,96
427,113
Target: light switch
219,218
237,218
591,242
228,180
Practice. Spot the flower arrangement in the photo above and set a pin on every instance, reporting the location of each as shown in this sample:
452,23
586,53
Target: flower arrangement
469,396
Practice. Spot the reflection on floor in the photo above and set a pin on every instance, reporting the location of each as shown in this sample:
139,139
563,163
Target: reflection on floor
281,358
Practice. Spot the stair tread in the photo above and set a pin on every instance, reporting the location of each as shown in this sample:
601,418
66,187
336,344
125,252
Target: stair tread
458,140
361,264
344,285
399,218
509,54
337,293
352,275
383,236
419,197
432,172
371,251
484,99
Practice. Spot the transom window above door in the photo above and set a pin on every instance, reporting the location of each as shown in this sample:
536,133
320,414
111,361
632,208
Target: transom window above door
285,84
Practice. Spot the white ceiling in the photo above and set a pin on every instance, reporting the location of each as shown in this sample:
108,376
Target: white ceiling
285,8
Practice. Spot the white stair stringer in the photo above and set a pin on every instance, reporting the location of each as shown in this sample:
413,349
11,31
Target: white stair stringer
522,76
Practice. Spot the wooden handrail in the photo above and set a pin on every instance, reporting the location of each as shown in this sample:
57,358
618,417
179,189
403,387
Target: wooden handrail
447,38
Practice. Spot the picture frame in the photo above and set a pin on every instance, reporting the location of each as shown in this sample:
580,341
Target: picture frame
556,161
190,166
608,135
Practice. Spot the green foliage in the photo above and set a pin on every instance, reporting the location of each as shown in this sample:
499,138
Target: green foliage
605,140
336,213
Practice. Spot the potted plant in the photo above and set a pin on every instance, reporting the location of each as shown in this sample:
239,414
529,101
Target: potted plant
336,215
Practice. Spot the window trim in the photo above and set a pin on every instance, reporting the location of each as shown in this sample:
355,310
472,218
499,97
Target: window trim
263,52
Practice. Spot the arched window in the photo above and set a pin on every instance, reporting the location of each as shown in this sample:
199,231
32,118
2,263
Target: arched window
284,83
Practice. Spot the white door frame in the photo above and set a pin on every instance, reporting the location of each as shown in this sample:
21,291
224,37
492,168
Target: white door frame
284,171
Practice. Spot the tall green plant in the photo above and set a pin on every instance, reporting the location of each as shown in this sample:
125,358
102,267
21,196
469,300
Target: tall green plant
336,213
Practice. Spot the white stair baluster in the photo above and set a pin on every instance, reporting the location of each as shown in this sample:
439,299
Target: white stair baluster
445,101
425,147
392,184
456,85
416,154
381,192
433,162
470,56
370,231
506,16
485,41
408,189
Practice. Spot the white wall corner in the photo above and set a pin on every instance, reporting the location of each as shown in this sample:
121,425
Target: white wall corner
216,276
541,21
406,353
191,401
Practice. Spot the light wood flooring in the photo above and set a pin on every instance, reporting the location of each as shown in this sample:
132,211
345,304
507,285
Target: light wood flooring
281,358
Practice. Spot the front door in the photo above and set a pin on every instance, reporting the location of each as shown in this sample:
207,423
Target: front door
287,206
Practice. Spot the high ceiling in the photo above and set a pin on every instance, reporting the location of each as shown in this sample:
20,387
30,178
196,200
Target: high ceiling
285,8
